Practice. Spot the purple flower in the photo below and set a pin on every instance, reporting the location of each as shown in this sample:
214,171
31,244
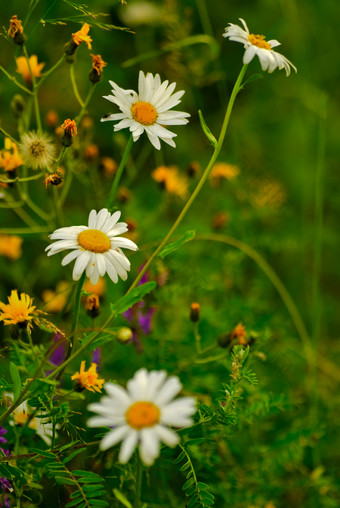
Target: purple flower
6,485
96,356
58,355
2,433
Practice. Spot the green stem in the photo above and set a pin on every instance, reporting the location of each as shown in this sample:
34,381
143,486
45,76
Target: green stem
236,89
197,338
86,102
51,70
77,299
35,92
119,173
12,78
18,179
74,85
277,283
5,133
137,501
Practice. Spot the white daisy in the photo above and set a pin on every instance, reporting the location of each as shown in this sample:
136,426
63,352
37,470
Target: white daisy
37,150
141,415
22,414
96,247
148,110
257,45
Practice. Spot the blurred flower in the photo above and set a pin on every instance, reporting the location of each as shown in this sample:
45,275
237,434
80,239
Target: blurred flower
92,305
58,355
267,192
220,219
24,69
16,31
149,110
195,312
37,150
96,247
18,310
171,180
81,36
193,169
142,13
9,156
55,301
124,195
222,171
108,165
22,415
97,289
3,431
239,333
141,415
88,380
10,246
54,179
91,152
52,118
96,356
257,45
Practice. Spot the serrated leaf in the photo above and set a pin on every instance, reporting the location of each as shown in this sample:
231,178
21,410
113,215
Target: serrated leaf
122,498
188,483
16,379
189,235
206,130
135,295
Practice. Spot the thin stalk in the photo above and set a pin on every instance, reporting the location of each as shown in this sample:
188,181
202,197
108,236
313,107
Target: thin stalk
35,94
197,338
51,70
77,299
26,179
12,78
236,89
86,102
74,86
119,173
137,501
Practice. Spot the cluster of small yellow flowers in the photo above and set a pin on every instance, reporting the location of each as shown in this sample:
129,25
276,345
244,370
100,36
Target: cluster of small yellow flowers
55,301
97,68
9,156
25,69
18,310
10,246
16,31
88,380
222,171
170,179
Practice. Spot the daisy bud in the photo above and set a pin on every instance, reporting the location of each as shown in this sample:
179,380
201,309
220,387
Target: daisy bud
92,306
16,31
97,68
124,335
195,312
18,105
70,130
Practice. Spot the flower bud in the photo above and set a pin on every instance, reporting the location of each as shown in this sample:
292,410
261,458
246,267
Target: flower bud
195,312
70,130
124,335
18,105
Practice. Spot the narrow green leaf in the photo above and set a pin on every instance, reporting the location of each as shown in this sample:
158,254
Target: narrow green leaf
179,458
73,454
206,130
90,480
185,466
190,491
122,498
68,445
64,480
193,442
90,474
74,502
16,379
189,235
98,502
202,486
43,453
193,502
135,295
188,483
76,493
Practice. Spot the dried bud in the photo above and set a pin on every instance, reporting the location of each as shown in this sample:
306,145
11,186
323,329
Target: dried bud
54,179
97,68
92,305
195,312
124,335
18,105
70,130
16,31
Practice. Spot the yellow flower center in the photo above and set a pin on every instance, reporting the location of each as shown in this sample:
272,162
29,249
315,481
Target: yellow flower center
144,113
142,414
94,240
20,418
259,41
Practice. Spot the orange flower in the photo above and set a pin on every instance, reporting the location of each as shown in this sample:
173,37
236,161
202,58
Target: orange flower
18,310
97,289
24,69
98,64
81,36
9,156
239,332
171,180
221,171
15,26
88,380
56,300
70,127
10,246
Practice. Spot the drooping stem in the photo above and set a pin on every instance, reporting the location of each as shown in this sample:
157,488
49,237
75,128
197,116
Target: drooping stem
119,173
236,89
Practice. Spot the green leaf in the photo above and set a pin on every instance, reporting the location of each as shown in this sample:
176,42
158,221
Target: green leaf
16,379
135,295
188,483
185,466
64,480
179,458
98,502
202,486
189,235
74,502
253,77
206,130
43,453
79,472
122,498
73,454
193,502
90,480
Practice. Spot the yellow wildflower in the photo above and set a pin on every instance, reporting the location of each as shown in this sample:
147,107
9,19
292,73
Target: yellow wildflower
24,69
9,156
56,300
18,310
81,36
10,246
88,380
221,171
15,26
